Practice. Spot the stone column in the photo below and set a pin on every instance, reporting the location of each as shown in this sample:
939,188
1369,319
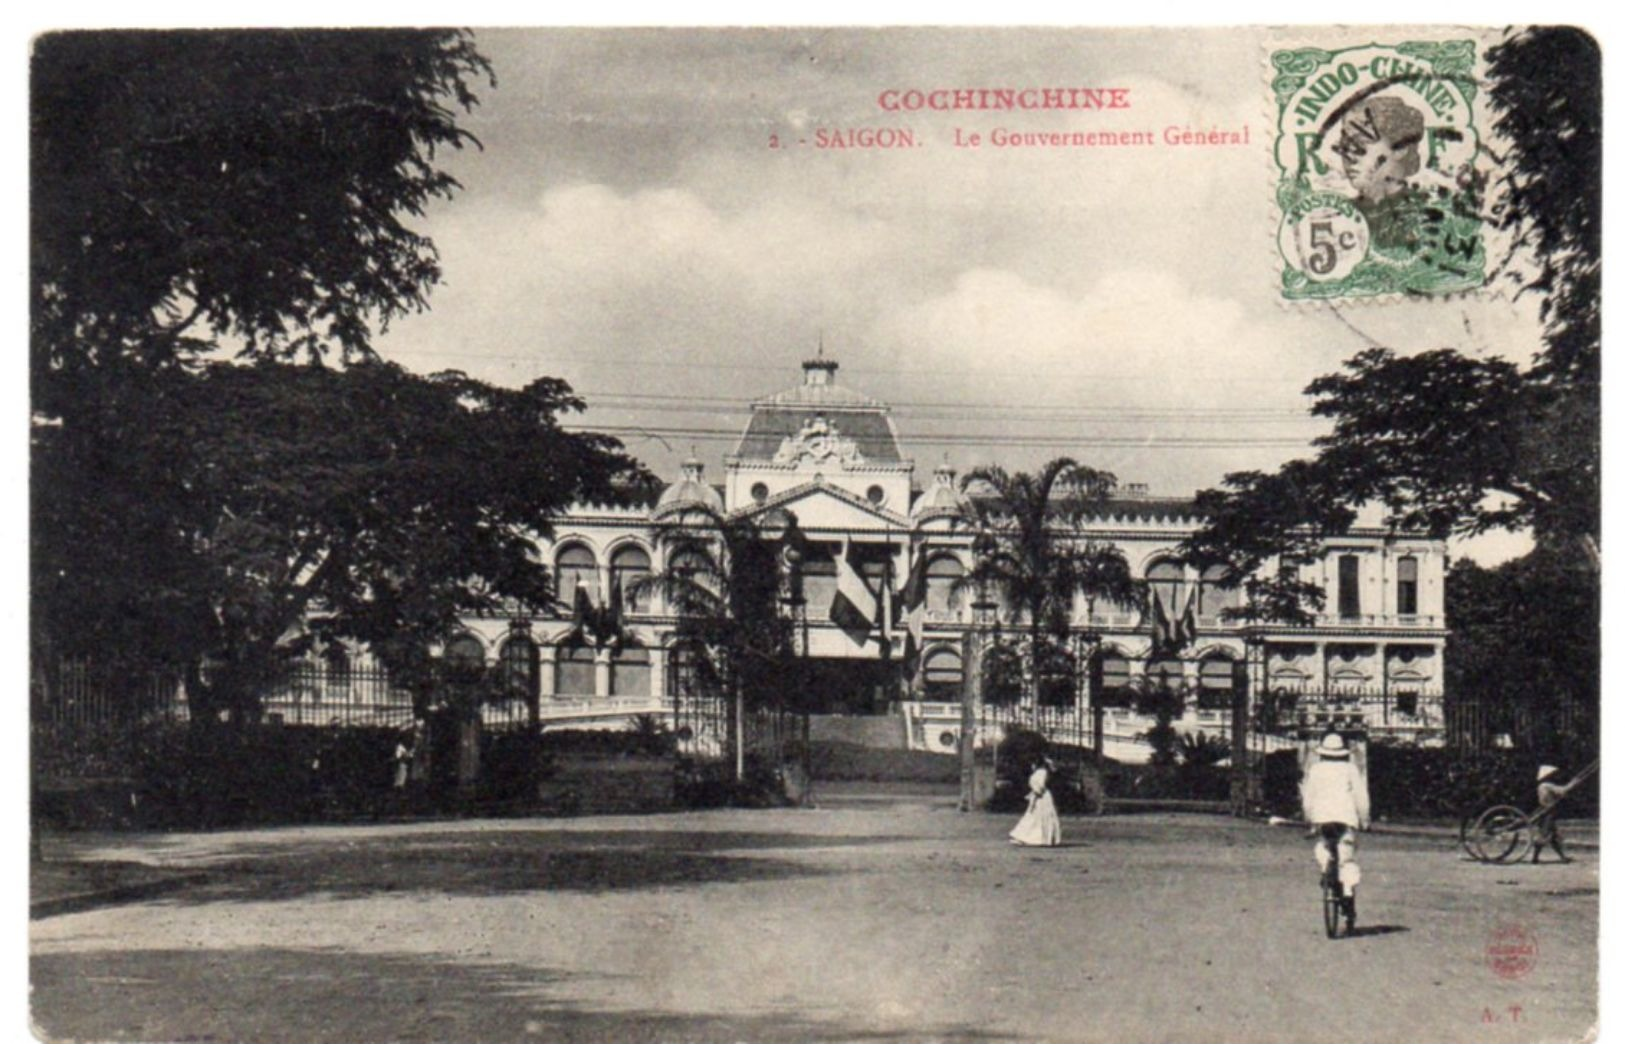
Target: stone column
600,675
657,671
548,666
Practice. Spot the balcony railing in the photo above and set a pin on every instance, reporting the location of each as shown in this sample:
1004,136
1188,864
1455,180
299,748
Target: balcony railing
1417,620
1135,621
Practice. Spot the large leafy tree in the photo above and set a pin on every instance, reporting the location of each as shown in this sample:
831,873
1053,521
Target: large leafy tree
1037,561
251,188
1454,444
200,195
298,503
1526,631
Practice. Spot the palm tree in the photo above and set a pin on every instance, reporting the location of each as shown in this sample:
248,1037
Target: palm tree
723,580
1039,561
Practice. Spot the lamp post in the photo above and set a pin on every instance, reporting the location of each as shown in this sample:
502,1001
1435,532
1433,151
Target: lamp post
795,605
975,645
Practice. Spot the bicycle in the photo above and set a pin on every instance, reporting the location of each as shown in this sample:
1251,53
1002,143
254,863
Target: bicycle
1335,905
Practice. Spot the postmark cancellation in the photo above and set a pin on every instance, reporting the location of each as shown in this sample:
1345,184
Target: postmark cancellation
1380,185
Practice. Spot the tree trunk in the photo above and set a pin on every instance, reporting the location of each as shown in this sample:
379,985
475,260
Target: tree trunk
468,754
970,692
739,734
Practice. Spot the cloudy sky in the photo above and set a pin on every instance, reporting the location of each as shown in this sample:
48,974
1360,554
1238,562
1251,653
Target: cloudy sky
628,227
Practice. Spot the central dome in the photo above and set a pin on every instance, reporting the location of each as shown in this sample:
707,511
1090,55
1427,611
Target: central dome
818,400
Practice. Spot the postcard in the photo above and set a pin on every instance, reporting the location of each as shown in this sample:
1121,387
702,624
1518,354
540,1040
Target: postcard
815,534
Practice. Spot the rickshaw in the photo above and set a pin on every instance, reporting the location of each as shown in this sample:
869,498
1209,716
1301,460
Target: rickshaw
1505,833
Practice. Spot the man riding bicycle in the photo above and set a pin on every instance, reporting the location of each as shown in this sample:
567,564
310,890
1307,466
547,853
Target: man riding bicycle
1336,801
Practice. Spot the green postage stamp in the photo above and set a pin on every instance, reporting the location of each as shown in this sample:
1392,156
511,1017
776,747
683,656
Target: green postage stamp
1379,190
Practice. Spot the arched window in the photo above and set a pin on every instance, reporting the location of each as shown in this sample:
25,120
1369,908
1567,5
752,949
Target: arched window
941,574
1216,682
682,671
576,673
627,566
1214,599
576,565
465,650
690,564
629,671
521,667
944,675
818,580
1111,677
1167,581
1057,676
1166,673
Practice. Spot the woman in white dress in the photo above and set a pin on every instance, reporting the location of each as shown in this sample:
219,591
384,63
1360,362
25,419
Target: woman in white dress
1041,825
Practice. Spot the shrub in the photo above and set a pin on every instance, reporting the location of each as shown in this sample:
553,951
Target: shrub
652,735
1281,776
511,764
1435,783
711,784
1200,749
1075,782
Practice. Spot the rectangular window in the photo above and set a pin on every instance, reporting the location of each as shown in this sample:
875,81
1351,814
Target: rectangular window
1348,585
1407,586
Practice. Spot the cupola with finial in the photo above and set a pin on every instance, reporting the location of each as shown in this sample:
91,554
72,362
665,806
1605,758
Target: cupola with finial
690,490
819,371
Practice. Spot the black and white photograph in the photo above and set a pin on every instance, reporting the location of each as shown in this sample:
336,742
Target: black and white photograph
814,534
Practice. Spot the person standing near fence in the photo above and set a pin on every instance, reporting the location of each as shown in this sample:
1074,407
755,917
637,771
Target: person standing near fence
405,744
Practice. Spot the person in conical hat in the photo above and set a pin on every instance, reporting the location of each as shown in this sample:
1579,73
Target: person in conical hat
1547,794
1336,801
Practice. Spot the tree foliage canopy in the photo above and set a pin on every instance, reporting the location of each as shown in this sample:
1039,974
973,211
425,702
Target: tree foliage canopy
1524,632
376,503
724,578
247,185
1034,557
199,194
1037,562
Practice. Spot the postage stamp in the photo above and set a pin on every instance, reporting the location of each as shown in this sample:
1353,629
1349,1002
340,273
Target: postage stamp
1379,188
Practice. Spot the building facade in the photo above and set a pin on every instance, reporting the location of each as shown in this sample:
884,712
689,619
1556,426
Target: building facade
833,457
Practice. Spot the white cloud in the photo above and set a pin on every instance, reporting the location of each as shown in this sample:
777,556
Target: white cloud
1140,337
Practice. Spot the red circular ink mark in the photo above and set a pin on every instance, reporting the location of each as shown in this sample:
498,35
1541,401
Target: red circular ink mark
1511,951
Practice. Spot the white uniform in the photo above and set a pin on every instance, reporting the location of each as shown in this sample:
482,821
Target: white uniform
1334,791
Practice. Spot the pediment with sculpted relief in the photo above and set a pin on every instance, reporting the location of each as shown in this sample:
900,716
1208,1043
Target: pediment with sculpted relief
818,442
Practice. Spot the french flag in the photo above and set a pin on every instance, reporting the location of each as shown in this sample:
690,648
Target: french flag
853,608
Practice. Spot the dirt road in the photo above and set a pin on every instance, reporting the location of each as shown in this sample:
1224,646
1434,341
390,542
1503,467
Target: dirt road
895,920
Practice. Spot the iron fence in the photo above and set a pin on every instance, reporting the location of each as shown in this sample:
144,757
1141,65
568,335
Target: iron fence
328,694
88,720
1485,724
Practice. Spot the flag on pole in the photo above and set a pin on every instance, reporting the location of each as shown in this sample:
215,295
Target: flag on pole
911,608
913,593
1161,628
1185,633
853,608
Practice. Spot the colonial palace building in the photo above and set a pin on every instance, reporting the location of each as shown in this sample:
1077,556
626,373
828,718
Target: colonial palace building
832,456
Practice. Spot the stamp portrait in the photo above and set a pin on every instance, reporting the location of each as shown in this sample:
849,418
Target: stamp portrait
1380,188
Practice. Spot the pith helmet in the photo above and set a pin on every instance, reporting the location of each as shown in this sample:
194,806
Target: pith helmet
1333,746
